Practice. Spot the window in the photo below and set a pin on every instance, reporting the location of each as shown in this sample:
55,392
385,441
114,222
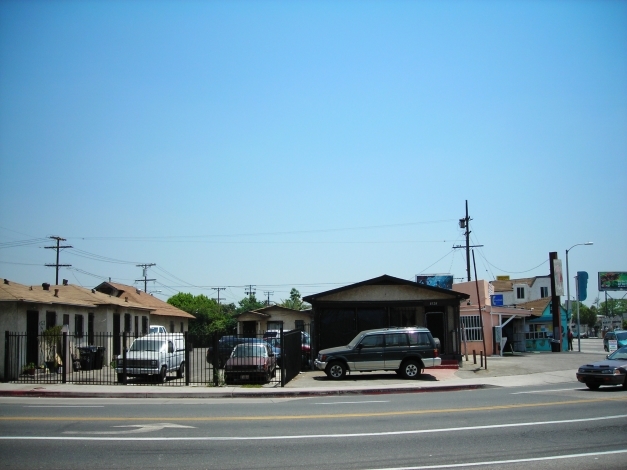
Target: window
396,339
144,325
419,339
275,325
171,327
299,325
544,292
136,326
372,341
520,292
51,319
78,326
127,322
182,328
472,325
66,319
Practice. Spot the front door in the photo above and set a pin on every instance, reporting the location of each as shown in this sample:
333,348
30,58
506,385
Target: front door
435,324
249,329
32,329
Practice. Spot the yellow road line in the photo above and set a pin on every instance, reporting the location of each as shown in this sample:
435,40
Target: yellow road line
319,416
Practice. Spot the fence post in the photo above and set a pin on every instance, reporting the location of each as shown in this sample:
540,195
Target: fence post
215,363
187,369
6,377
65,366
283,358
124,357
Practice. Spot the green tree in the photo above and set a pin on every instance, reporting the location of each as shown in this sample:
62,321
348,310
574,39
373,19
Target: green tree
209,316
295,302
248,303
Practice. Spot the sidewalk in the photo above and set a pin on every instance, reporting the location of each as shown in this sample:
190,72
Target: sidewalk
528,369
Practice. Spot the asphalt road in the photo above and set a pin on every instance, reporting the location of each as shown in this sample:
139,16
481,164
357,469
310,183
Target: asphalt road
507,428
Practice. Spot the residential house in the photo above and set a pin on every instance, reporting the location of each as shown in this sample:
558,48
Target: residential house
273,317
384,302
539,329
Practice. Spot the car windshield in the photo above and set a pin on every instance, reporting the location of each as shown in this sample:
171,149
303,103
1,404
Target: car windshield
250,350
619,355
146,345
622,335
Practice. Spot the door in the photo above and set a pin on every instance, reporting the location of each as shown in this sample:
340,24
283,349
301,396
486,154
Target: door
368,354
249,329
116,334
396,348
32,329
435,324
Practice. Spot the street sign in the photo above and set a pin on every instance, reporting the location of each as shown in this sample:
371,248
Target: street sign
497,300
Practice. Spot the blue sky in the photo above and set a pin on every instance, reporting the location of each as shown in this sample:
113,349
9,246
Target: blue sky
310,144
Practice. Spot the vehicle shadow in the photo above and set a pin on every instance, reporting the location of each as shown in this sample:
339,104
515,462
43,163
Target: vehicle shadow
363,377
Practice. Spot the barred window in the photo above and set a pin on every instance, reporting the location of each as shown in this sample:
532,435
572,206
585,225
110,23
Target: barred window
472,324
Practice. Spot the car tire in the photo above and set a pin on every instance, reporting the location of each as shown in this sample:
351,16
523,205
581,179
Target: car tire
336,370
162,375
411,369
593,386
625,383
181,372
120,378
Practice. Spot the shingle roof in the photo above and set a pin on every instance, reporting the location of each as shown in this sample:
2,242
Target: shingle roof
158,306
62,295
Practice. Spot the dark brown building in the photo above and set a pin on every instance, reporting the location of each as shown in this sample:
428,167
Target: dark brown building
384,302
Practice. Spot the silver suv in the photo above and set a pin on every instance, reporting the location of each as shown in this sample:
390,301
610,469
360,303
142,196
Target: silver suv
405,350
154,355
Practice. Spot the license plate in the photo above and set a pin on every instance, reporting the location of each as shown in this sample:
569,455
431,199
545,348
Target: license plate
244,377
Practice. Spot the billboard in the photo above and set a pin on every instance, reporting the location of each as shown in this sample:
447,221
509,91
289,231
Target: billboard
612,280
445,281
559,278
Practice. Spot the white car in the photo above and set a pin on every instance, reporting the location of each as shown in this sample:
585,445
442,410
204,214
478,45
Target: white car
158,329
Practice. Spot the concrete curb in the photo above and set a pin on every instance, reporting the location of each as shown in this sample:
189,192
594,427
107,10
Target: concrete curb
239,394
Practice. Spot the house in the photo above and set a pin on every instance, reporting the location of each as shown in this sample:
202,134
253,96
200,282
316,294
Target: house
87,315
504,327
384,302
273,317
519,291
161,313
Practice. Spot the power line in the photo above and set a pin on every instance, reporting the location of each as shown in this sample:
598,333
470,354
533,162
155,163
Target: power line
145,266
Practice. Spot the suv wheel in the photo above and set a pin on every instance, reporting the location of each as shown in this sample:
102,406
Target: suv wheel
336,370
592,386
411,369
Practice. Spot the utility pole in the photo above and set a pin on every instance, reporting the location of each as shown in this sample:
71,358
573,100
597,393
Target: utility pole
58,247
268,292
465,223
218,289
145,279
250,291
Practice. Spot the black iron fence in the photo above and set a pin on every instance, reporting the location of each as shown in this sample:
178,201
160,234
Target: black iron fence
176,359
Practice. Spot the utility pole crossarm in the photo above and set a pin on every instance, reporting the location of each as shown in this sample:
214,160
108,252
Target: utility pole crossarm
58,247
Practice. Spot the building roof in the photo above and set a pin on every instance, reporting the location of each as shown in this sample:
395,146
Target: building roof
507,286
157,306
267,311
387,280
62,295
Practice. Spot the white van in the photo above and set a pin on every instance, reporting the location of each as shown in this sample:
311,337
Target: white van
154,355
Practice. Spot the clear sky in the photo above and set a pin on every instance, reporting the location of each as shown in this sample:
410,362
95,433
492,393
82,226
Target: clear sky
310,144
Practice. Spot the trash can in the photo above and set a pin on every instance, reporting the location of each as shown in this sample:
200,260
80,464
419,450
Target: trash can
87,357
556,345
98,357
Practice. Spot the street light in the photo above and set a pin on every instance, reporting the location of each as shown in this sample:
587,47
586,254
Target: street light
568,294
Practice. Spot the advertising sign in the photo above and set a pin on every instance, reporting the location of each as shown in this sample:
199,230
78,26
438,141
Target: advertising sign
497,300
612,280
559,278
612,345
445,281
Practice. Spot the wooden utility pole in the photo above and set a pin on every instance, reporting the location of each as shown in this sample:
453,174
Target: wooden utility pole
145,279
58,247
465,223
555,307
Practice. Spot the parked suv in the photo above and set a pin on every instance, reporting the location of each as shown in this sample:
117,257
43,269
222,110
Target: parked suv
154,355
405,350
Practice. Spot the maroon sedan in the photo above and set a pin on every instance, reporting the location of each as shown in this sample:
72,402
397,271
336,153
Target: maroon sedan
250,363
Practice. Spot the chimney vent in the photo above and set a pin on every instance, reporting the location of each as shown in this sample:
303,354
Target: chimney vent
93,291
46,286
56,292
125,299
65,282
6,281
